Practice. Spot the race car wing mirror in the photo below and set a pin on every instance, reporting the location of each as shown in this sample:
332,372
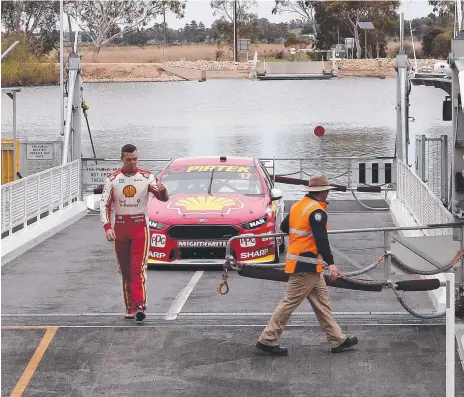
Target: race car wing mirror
276,194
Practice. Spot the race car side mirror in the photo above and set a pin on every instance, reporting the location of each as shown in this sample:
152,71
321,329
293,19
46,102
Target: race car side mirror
276,194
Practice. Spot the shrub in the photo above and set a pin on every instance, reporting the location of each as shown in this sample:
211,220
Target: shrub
21,68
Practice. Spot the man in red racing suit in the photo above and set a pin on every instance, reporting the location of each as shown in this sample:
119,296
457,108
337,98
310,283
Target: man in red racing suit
128,190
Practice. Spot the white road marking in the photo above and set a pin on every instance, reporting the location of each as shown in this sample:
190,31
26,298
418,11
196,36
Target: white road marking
174,325
212,314
182,297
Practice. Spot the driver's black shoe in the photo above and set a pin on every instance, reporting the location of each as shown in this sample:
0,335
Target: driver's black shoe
272,350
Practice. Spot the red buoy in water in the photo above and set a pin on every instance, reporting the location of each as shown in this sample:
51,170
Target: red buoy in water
319,130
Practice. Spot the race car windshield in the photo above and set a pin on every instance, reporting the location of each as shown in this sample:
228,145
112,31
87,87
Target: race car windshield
220,181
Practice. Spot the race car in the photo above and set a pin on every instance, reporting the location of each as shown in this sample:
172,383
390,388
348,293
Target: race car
212,199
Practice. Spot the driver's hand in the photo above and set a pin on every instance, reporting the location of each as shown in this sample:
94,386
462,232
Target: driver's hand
110,235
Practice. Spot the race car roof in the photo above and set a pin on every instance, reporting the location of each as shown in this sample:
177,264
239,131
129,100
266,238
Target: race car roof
214,160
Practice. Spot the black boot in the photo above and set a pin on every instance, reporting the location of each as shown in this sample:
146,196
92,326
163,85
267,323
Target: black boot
349,342
272,350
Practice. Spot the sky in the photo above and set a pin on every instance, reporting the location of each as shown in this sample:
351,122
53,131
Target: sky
200,11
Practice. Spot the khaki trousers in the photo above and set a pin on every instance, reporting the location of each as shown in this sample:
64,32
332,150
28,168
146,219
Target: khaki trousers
302,286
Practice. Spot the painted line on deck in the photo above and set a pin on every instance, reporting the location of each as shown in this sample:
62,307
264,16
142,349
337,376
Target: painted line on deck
178,325
34,362
182,296
199,314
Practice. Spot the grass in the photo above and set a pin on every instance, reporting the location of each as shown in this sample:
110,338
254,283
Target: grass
154,53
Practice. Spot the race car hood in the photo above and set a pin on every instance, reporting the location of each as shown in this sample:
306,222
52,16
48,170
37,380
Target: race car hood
188,209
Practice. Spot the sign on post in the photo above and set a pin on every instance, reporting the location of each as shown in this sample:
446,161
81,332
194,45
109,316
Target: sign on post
95,174
40,151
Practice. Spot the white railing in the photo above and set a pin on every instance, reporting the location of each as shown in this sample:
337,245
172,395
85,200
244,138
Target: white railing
425,207
26,200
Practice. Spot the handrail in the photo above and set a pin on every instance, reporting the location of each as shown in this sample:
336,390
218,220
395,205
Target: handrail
26,200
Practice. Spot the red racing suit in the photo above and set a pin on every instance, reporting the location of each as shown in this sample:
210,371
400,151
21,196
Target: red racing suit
129,195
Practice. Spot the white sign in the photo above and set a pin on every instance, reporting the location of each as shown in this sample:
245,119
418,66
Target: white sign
40,151
96,174
158,240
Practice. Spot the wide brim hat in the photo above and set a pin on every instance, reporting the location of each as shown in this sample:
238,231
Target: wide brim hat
319,184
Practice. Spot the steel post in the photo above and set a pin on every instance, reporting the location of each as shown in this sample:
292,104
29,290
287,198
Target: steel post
387,258
15,154
444,169
450,332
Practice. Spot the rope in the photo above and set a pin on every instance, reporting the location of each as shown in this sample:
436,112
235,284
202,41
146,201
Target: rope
367,207
450,265
425,316
366,269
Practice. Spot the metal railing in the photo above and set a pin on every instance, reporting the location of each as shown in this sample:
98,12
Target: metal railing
27,200
432,164
419,199
386,242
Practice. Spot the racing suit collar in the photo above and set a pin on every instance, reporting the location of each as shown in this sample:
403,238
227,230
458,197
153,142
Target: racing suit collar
321,202
123,171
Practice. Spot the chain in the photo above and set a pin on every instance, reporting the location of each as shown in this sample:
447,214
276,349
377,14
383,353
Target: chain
223,287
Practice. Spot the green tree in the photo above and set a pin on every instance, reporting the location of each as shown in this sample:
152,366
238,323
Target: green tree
98,17
382,14
37,20
247,22
304,9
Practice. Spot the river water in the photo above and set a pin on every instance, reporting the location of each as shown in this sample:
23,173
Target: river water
236,117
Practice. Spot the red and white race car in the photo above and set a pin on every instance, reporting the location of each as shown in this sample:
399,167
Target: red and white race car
211,200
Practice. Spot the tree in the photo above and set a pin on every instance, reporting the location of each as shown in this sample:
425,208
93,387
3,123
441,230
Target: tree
98,17
37,20
443,7
305,9
246,21
350,13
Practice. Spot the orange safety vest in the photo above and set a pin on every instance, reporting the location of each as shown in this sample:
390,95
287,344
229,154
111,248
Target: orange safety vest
301,238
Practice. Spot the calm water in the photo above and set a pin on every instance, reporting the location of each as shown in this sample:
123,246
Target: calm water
236,117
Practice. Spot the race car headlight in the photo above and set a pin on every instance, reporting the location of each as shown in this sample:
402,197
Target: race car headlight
156,225
254,224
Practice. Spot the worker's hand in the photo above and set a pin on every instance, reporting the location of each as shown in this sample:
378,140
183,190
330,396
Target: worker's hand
110,235
334,273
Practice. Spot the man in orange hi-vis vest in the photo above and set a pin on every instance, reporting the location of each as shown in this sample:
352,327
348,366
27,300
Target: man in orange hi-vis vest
308,252
128,189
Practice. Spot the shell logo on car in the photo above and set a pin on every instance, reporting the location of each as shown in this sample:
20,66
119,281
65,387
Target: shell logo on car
205,204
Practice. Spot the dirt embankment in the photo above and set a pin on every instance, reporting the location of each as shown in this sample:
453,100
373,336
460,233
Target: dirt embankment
192,70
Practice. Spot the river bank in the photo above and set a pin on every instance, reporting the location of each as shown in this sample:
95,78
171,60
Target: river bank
195,70
192,70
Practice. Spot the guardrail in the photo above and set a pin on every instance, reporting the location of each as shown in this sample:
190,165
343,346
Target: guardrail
419,199
27,200
386,242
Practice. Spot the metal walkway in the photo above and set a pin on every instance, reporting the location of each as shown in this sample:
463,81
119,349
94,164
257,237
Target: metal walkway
197,343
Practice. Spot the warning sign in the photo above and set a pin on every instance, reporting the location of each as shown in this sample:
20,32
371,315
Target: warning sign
40,151
96,174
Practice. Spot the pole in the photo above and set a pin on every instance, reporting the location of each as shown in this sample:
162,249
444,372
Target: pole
450,329
15,154
235,31
61,70
365,44
164,27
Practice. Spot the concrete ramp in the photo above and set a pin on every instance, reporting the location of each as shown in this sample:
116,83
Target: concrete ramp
295,67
